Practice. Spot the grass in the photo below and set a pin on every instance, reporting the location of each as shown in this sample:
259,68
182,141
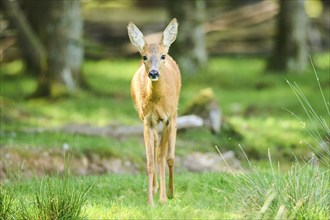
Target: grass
303,191
43,198
254,102
128,199
257,105
317,124
6,203
57,198
119,197
46,199
300,193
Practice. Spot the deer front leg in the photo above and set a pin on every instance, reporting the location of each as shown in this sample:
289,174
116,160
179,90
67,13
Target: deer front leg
155,182
171,156
149,143
162,162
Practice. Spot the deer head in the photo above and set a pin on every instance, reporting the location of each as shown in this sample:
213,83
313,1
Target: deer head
153,55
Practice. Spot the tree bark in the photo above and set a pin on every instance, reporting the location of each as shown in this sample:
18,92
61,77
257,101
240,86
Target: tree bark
63,40
29,42
291,43
51,42
190,48
32,11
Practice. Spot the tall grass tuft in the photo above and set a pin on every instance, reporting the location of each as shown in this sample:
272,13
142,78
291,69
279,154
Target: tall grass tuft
318,127
301,193
60,197
6,203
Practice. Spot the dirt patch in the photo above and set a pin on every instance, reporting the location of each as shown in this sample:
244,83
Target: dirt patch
27,162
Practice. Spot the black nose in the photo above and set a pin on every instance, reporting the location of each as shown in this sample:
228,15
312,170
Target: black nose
153,74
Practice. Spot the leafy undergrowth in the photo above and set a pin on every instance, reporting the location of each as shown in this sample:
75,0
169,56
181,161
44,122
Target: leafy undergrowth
303,192
255,104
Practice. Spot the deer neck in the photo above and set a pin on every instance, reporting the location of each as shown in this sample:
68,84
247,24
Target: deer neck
156,89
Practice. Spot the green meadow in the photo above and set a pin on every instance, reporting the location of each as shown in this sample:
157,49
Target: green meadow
265,120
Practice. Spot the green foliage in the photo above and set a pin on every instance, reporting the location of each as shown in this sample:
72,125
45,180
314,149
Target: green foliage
255,104
256,107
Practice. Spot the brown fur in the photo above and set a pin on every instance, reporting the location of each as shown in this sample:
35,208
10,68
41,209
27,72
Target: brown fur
157,101
160,97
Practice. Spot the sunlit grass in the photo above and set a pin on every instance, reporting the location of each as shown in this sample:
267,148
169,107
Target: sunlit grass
12,68
45,198
300,193
129,149
6,203
111,76
322,60
283,135
124,197
257,103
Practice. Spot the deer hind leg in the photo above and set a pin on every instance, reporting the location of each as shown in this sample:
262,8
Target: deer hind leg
149,143
171,156
162,161
155,182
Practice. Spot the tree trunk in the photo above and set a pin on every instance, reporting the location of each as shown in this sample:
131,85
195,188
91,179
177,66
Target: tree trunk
50,42
291,43
32,11
31,43
63,42
190,48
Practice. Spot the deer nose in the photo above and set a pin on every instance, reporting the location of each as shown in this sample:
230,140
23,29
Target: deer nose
153,75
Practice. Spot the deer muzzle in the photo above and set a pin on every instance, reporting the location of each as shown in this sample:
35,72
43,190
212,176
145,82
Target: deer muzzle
153,75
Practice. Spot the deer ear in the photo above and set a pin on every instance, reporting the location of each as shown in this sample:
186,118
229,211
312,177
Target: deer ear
135,36
170,32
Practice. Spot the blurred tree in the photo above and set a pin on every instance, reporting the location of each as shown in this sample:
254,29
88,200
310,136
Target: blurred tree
291,43
51,42
28,9
190,48
149,3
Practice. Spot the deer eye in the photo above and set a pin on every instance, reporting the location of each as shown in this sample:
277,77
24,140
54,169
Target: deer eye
162,57
144,57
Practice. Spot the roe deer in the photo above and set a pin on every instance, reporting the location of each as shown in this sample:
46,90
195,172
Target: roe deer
155,89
